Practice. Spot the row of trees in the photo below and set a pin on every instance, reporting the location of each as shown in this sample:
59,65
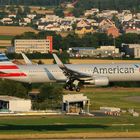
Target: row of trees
50,96
101,4
88,40
83,5
32,2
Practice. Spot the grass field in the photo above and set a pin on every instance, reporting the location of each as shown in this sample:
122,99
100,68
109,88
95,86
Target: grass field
15,30
77,126
68,124
116,97
6,37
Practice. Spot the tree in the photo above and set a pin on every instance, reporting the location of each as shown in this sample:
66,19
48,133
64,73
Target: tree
12,89
59,12
50,96
50,91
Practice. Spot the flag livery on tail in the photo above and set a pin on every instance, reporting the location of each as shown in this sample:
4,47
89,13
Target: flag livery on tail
8,69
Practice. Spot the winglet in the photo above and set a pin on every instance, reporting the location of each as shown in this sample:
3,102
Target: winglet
57,60
26,59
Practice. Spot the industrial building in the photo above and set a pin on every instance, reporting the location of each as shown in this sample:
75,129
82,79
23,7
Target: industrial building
131,50
103,51
14,104
75,103
33,45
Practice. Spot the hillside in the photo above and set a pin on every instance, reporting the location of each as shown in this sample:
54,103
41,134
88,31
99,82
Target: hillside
82,4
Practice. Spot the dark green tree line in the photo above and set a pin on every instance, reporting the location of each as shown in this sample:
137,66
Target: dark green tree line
11,88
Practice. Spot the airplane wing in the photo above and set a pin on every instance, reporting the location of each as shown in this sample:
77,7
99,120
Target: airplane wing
69,72
26,59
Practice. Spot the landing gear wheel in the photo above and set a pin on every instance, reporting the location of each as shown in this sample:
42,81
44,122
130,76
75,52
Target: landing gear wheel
67,87
78,89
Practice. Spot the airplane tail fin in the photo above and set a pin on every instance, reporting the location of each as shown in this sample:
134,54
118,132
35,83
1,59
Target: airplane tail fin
5,63
8,69
4,59
58,61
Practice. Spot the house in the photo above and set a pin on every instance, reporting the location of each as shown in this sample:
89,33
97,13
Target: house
27,20
138,15
105,24
91,12
51,18
31,16
127,17
84,30
52,28
24,21
107,14
41,26
132,26
69,5
66,27
7,21
83,27
113,31
12,15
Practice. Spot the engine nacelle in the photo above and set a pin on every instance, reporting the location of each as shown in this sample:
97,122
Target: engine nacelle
99,81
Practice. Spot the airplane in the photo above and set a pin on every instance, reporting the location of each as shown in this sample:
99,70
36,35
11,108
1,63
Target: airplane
73,75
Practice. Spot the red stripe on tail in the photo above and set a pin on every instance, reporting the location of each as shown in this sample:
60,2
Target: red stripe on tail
8,67
13,75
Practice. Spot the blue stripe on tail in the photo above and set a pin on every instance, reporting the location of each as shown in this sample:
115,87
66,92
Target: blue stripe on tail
3,57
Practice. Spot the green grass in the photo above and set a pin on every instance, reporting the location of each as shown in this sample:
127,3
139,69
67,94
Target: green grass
113,98
116,99
66,124
5,37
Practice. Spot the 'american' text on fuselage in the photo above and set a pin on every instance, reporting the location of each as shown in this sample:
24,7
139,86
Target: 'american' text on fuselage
115,70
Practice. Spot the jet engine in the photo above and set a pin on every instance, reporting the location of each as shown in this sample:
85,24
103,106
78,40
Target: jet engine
99,81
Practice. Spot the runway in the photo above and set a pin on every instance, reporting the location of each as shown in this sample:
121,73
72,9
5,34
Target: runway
100,139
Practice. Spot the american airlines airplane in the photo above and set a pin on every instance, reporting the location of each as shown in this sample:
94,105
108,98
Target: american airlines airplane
74,75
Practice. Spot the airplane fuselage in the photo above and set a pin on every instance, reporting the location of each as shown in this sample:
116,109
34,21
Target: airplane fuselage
52,72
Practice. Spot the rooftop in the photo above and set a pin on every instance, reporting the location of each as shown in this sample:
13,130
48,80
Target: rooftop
74,98
8,98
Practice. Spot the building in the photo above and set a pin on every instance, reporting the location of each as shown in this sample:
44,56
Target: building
14,104
106,51
75,103
83,27
81,52
103,51
33,45
113,31
109,27
131,50
7,21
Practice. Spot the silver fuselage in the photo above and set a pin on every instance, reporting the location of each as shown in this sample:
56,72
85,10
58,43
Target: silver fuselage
52,73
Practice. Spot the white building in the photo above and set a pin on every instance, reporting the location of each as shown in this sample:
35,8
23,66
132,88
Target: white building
27,20
91,12
12,15
75,103
7,21
31,16
113,49
14,104
132,50
33,45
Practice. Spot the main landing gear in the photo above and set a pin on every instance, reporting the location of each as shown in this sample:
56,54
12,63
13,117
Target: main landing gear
72,85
